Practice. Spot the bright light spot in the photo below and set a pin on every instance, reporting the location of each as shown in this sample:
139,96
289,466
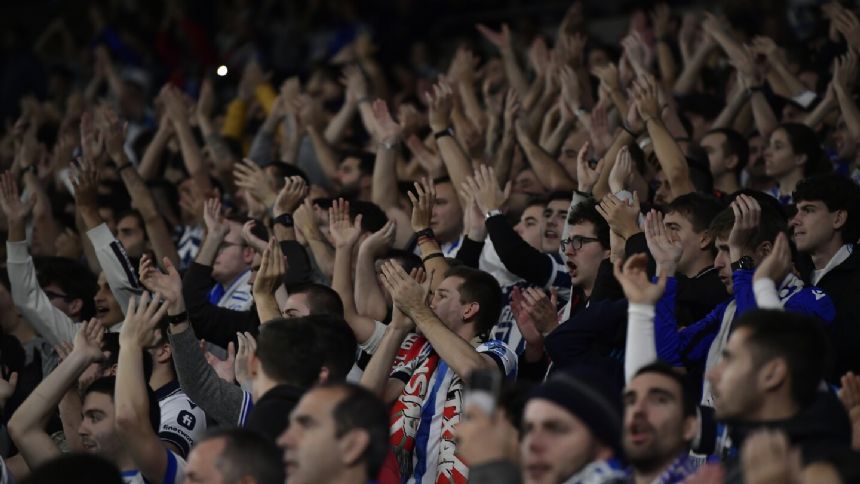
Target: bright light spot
222,71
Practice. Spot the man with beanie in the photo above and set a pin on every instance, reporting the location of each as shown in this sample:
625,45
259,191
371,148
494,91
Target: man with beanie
570,434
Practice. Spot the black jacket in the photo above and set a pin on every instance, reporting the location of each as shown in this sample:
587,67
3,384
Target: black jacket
271,413
841,284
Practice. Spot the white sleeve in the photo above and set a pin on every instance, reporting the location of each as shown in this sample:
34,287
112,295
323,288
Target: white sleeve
641,349
120,274
373,341
765,293
31,300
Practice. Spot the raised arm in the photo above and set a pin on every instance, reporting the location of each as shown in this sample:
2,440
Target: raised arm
369,299
550,173
27,425
270,277
440,104
177,112
502,41
131,399
431,252
384,189
345,235
641,295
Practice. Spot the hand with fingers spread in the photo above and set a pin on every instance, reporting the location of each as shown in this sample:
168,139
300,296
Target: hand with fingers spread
622,216
666,252
500,39
244,354
88,341
225,369
646,98
473,217
378,243
251,178
485,187
113,133
406,293
777,264
168,285
290,197
632,274
608,76
587,173
14,208
747,213
422,204
388,130
430,161
85,183
355,82
216,224
140,327
570,87
270,276
541,308
848,25
440,103
849,395
252,240
344,232
526,324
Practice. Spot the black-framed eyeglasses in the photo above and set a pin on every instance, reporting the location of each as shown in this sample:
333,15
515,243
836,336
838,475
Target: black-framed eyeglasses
576,242
57,295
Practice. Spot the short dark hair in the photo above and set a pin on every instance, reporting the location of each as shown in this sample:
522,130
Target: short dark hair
288,350
795,337
587,212
699,208
361,409
373,218
804,141
74,278
247,453
558,195
336,342
482,288
689,394
772,221
734,145
406,259
75,468
837,193
135,214
321,299
107,386
283,170
366,160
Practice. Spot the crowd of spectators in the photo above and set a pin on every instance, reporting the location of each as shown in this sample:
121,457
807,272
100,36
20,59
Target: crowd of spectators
266,242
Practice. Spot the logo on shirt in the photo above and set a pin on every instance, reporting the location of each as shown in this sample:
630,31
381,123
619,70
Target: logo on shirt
187,419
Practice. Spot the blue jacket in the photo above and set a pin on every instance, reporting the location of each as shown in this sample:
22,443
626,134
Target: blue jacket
689,346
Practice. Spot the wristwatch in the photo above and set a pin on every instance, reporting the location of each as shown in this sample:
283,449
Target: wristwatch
744,263
492,213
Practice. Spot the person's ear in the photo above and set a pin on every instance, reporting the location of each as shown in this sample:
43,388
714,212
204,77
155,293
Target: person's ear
732,162
111,370
76,305
839,219
325,373
691,428
705,241
352,446
762,251
800,160
253,366
773,374
471,310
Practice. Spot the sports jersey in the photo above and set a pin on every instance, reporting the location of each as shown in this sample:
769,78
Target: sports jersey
190,240
182,421
425,415
699,345
174,474
236,296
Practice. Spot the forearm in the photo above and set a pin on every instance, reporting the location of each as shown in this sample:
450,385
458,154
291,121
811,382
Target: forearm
551,174
337,125
504,158
671,158
666,63
456,162
514,73
267,306
471,105
209,249
368,296
130,397
192,157
640,349
323,254
731,109
326,156
557,137
690,75
437,264
376,374
341,282
765,120
151,162
822,109
452,349
849,112
384,187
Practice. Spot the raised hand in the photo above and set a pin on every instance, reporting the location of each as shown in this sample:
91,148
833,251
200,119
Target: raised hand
500,39
485,188
141,320
270,275
646,96
245,353
632,274
295,190
406,293
622,171
849,394
767,456
168,285
85,183
88,341
216,224
248,236
608,76
777,264
473,218
225,369
570,88
380,241
388,130
586,173
440,103
251,178
113,132
463,66
431,162
541,308
344,233
92,141
206,100
747,217
16,210
666,252
423,201
355,82
622,217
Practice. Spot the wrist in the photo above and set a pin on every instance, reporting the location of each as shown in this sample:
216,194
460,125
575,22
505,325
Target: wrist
585,188
667,267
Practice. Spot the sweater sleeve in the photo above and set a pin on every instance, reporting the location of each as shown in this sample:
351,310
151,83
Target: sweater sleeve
31,300
298,263
219,399
120,274
234,120
743,291
212,323
640,349
470,252
517,255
